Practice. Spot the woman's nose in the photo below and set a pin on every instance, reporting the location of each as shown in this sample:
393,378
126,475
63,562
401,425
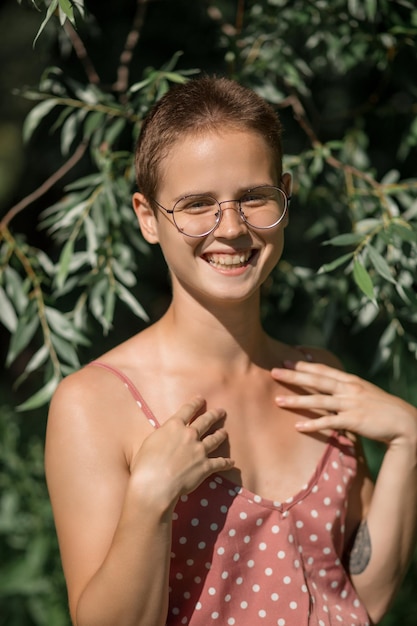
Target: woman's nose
231,222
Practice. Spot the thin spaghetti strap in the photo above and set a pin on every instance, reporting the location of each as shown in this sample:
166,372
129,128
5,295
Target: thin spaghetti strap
133,390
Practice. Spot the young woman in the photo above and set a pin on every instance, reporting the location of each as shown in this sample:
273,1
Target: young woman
202,472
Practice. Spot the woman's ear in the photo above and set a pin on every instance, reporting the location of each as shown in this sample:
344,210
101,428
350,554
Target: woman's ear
146,217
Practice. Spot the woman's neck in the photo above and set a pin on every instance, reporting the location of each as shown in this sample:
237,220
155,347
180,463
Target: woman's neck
229,332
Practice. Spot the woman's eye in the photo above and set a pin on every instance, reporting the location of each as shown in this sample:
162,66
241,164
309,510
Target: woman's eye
253,199
198,204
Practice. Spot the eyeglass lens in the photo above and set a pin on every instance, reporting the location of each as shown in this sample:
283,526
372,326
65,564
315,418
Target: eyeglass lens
262,207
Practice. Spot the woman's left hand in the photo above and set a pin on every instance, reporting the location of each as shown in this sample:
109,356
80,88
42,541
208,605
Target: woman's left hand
344,401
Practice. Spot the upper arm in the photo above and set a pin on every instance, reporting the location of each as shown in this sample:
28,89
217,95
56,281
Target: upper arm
87,472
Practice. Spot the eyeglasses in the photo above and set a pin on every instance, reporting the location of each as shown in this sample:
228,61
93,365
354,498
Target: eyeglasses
199,215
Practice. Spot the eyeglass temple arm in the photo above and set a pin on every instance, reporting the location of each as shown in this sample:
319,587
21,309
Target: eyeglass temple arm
170,211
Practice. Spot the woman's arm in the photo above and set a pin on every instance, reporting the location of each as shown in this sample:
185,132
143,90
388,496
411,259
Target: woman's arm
387,534
384,543
113,498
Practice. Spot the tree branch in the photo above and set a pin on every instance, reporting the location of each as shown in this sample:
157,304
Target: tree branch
132,39
40,191
240,14
82,54
39,297
300,116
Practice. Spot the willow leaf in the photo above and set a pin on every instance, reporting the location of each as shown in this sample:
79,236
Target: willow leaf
35,116
41,397
380,264
51,10
8,315
26,328
131,302
347,239
363,279
64,263
329,267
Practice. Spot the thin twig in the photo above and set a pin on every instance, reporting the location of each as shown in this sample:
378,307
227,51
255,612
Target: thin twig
131,42
300,116
40,191
82,54
240,14
331,160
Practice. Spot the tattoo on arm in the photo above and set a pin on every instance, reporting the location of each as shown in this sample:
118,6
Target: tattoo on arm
360,554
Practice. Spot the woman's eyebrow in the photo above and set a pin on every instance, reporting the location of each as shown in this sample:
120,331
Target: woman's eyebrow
239,191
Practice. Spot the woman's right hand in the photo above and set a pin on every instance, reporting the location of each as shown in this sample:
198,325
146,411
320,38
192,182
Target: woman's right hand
176,458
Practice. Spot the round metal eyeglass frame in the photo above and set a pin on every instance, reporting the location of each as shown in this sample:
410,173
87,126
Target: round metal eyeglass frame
219,214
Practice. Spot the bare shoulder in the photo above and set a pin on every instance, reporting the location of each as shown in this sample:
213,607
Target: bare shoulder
279,352
81,391
94,389
88,390
95,403
321,355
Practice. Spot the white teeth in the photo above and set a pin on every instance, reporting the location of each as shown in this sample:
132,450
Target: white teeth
228,260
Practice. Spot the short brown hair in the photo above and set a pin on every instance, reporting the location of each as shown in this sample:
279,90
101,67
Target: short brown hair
208,103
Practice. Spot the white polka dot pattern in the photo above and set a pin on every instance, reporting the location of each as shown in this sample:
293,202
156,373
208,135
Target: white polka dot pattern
239,559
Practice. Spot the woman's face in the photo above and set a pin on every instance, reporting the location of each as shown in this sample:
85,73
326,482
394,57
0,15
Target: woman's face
234,260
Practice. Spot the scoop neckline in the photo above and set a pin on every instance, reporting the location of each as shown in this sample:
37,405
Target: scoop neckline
288,503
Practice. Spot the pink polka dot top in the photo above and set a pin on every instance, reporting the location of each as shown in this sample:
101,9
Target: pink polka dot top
240,559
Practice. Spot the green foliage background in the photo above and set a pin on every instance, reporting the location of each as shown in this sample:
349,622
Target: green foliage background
75,276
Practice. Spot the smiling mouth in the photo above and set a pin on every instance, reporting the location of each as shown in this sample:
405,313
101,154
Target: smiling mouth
229,261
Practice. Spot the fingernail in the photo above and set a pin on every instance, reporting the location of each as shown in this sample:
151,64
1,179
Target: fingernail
289,364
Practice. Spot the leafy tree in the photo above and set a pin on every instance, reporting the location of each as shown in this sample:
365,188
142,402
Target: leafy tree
339,73
31,582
